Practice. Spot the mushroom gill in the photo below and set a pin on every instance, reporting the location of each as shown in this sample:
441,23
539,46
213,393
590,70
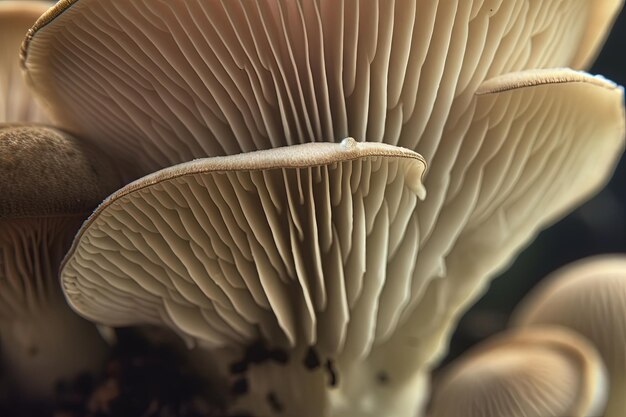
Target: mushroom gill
164,82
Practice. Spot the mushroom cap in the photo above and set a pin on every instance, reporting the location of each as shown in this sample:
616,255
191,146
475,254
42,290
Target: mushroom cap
589,297
17,104
307,245
535,144
46,172
540,142
534,372
166,82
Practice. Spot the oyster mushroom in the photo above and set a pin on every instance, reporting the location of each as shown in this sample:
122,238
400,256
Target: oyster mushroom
290,256
49,184
534,372
588,297
16,101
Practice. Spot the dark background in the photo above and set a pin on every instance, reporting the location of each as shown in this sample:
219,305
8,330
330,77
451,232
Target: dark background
597,227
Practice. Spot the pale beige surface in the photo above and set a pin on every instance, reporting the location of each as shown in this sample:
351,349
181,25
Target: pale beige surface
529,156
601,17
173,81
266,245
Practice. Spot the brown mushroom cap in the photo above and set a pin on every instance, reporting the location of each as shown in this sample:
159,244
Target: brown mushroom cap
45,172
589,297
17,104
168,82
49,183
535,372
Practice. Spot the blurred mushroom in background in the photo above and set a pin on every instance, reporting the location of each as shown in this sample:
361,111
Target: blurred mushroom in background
17,103
588,297
539,371
49,183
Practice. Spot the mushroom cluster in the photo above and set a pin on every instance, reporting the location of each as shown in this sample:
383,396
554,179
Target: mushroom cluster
315,190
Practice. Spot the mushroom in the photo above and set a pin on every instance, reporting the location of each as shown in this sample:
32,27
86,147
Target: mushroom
282,261
166,82
535,372
16,102
587,296
49,184
541,142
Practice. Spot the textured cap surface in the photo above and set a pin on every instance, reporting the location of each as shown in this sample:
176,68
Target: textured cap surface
44,172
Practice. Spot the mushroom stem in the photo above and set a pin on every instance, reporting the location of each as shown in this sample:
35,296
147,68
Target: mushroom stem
310,384
370,390
272,386
43,341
